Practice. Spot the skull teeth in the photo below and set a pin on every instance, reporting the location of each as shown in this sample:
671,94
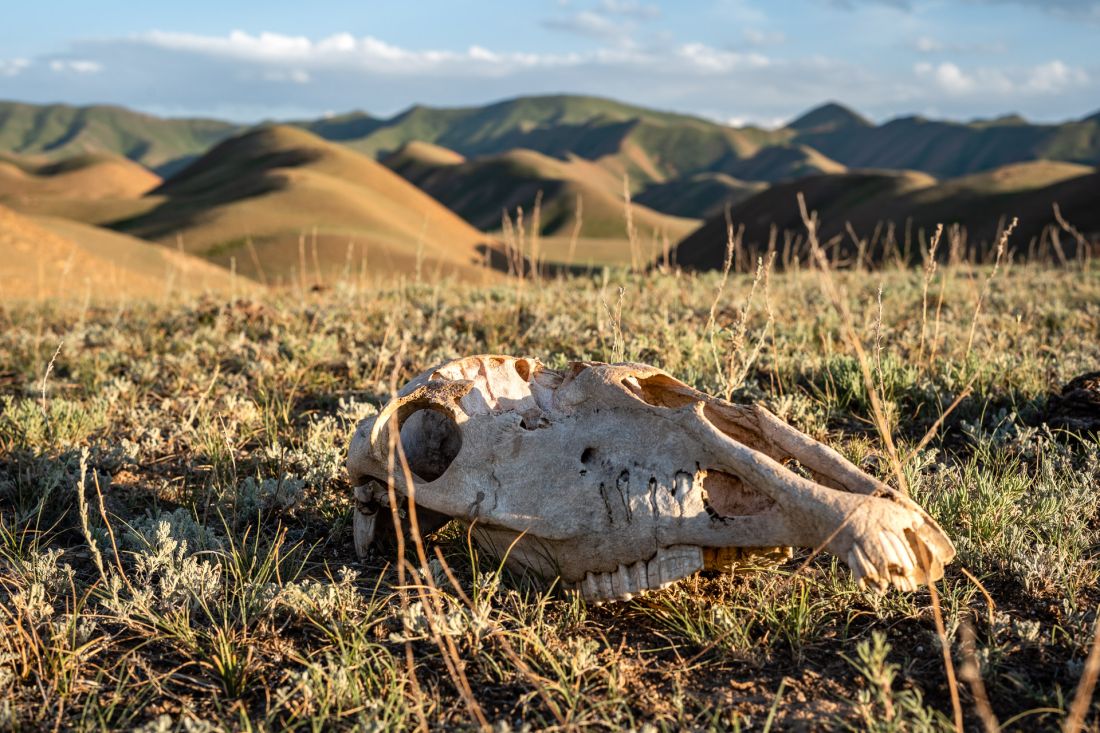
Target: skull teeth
626,581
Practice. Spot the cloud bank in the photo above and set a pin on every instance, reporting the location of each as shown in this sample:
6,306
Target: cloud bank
252,76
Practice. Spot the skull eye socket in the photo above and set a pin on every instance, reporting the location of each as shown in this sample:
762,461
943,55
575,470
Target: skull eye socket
431,441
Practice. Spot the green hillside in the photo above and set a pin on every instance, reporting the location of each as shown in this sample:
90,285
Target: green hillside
59,131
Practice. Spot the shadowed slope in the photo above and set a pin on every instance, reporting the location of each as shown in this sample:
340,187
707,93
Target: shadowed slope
946,148
55,258
781,163
908,201
278,200
700,195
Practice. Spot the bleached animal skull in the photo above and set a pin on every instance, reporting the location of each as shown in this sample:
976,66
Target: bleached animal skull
618,478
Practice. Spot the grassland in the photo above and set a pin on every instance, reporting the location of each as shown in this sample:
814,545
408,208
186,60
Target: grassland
176,551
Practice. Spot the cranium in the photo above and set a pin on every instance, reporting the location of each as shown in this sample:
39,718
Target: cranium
618,478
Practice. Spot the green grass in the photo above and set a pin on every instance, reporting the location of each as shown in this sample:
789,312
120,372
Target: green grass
175,521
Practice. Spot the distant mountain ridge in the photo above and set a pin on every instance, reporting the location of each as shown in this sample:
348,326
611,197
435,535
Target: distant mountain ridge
60,130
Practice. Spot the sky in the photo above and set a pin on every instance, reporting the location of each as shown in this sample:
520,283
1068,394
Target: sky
736,61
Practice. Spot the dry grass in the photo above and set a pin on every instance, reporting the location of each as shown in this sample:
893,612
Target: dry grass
175,540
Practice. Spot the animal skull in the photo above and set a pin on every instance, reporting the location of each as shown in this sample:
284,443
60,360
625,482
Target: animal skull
618,478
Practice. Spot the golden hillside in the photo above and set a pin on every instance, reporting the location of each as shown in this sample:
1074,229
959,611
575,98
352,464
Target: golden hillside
283,205
55,258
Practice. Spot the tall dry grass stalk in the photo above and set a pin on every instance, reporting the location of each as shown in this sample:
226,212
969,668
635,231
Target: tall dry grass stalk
971,673
46,377
318,279
930,264
85,524
1001,244
618,343
712,318
420,249
945,644
512,253
415,693
1084,251
302,264
840,304
536,252
574,235
428,591
631,230
1082,698
252,253
740,359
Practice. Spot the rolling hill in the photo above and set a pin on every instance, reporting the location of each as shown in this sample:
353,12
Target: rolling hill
89,175
945,148
479,190
865,199
91,187
282,204
62,131
54,258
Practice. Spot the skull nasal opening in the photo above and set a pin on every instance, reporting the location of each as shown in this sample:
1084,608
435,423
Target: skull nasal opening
431,441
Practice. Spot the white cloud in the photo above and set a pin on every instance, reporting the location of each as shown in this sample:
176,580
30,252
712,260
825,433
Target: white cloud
13,67
1048,78
250,75
949,77
713,60
75,66
342,51
1054,77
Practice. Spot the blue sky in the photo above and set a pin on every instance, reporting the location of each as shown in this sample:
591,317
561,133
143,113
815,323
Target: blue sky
731,60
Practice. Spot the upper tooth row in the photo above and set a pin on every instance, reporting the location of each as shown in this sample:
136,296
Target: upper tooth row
667,566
